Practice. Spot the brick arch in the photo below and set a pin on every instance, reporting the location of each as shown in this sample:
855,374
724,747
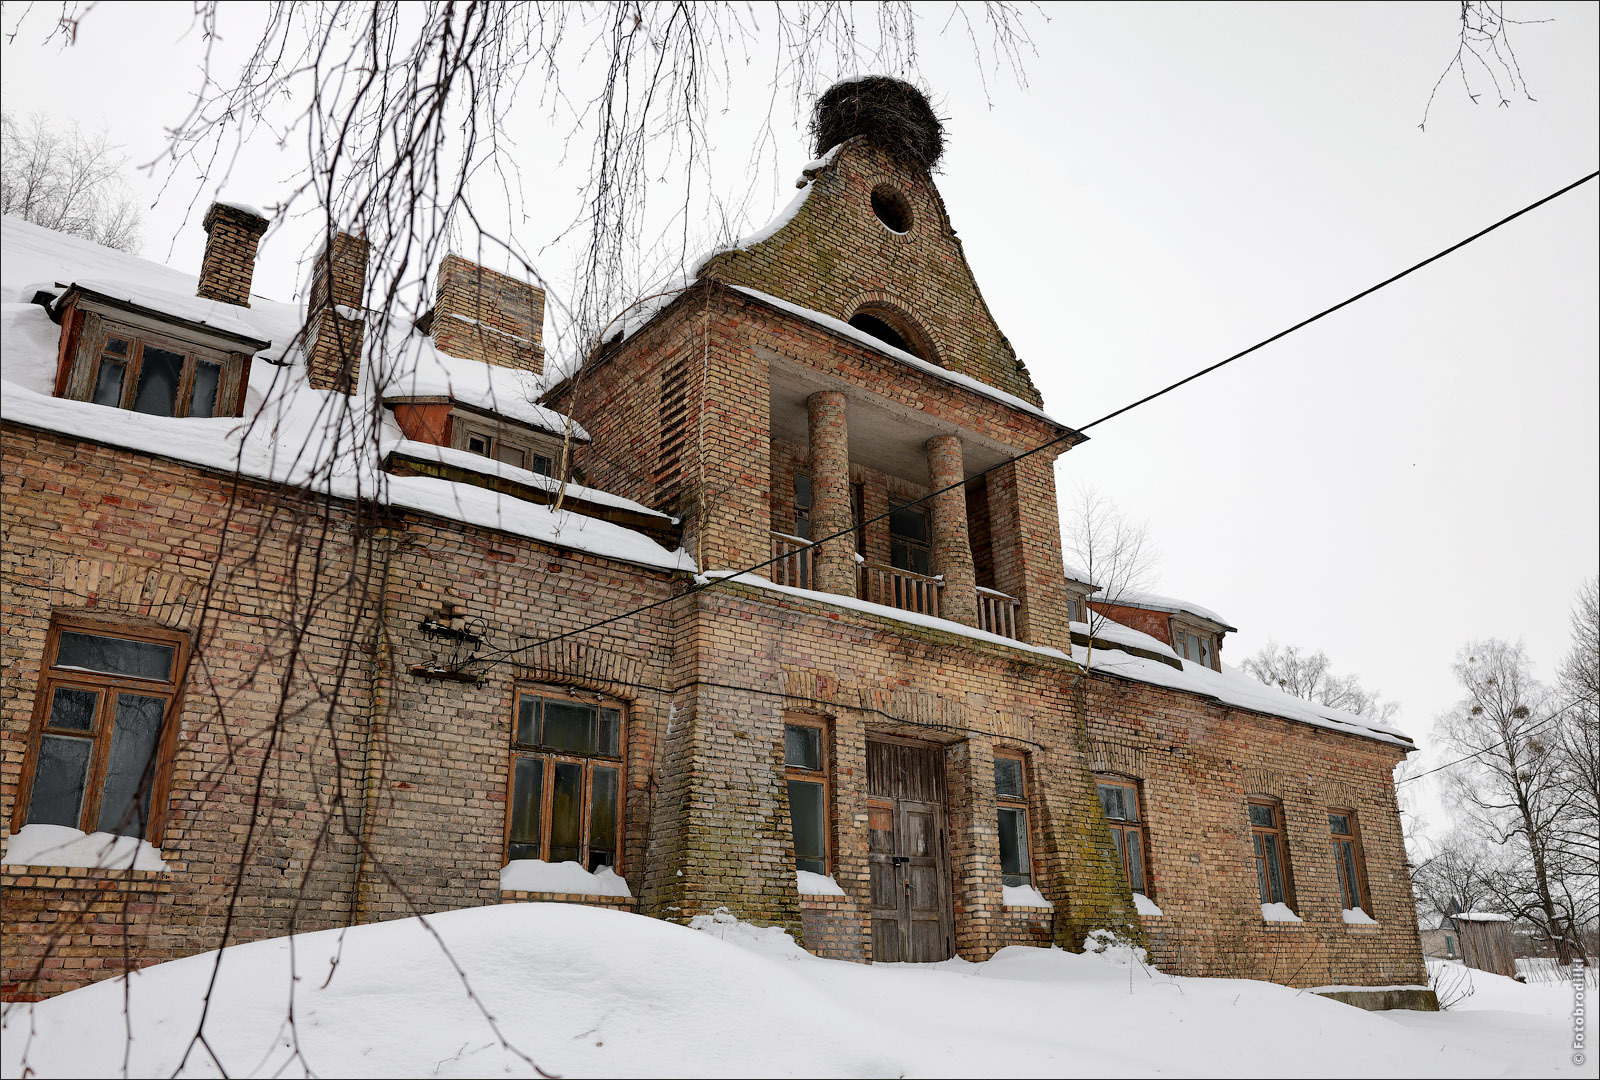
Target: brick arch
1110,756
1262,781
571,663
897,313
108,586
1338,793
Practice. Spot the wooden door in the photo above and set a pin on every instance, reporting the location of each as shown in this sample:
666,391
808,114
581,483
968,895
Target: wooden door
907,853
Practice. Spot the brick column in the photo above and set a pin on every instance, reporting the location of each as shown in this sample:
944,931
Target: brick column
952,551
834,568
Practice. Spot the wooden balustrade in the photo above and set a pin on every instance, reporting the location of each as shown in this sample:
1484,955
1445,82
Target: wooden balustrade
900,588
997,612
793,567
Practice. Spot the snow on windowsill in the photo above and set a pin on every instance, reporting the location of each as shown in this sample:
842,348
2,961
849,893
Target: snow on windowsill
1358,917
1023,896
1145,906
1278,913
58,845
536,875
812,884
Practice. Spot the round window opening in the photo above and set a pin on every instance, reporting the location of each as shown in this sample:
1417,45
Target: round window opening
892,208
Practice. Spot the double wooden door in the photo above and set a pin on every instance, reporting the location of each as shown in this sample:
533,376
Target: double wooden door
907,853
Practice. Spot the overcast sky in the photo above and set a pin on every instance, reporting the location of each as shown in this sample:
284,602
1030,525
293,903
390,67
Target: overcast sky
1173,184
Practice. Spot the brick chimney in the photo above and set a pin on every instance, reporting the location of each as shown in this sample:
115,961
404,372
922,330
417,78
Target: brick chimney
232,233
335,327
479,314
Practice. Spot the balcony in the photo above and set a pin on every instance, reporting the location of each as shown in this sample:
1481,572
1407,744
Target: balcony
997,612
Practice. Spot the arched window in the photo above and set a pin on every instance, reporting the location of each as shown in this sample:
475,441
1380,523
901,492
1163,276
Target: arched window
893,328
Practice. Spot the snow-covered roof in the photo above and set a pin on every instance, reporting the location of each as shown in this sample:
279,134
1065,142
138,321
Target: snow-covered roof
1154,602
212,314
291,432
416,368
1080,575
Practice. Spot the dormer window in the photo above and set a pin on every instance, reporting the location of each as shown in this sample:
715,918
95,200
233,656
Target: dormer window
1198,647
125,356
156,375
476,440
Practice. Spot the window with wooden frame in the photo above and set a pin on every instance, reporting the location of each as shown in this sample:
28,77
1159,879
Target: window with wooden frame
1200,648
481,441
566,780
1347,860
99,749
1271,853
162,376
805,760
1011,800
1119,799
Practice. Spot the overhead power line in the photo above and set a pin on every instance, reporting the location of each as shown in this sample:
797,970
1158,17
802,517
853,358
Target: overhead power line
700,586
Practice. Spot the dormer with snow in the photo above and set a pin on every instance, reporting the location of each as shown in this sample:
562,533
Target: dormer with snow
824,377
1193,632
128,344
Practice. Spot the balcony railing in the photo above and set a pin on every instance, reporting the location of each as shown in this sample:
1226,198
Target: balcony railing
900,588
997,612
793,567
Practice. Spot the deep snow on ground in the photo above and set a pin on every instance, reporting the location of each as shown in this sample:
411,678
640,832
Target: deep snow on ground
589,992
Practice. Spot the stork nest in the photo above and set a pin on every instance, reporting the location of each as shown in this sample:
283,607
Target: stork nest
893,115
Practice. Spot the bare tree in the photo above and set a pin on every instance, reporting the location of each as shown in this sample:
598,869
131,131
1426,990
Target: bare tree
64,180
1577,740
1483,50
1507,788
1455,878
1309,675
1110,548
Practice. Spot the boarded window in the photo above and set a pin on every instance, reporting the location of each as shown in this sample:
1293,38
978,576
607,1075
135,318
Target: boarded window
1011,798
566,781
96,760
805,762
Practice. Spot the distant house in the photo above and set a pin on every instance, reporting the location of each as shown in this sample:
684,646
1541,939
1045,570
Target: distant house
301,622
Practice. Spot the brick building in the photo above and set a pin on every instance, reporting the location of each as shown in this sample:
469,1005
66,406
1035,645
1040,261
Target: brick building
304,612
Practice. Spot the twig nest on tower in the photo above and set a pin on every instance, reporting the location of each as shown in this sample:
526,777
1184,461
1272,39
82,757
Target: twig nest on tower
892,114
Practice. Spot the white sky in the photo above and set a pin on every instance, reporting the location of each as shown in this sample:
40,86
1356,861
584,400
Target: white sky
1174,184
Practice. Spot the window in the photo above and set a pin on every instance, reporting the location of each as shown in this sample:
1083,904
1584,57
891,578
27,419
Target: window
1201,648
95,757
1120,801
1449,945
806,767
477,441
1347,859
802,506
1075,612
1272,864
566,781
155,375
1011,797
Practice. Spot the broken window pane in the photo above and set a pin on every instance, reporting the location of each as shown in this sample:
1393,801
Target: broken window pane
108,383
603,818
115,656
569,725
802,747
1008,778
1014,866
58,781
807,814
566,812
131,764
527,792
159,374
73,709
203,395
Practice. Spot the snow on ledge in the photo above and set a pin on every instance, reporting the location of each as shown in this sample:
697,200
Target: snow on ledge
536,875
816,884
58,845
1358,917
861,337
1024,896
1145,906
1481,916
1278,913
882,610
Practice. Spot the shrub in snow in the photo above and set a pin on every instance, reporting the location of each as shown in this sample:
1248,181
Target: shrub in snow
1115,946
